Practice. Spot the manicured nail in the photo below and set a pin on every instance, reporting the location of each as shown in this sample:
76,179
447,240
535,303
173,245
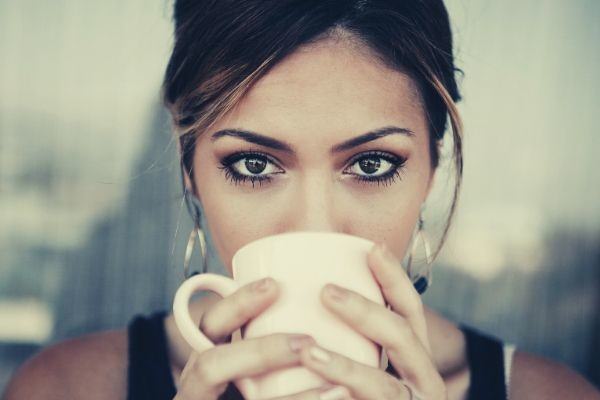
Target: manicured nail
319,354
298,342
337,393
336,293
262,286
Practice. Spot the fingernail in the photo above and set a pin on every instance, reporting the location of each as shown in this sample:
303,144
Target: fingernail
319,354
298,342
262,286
337,393
336,293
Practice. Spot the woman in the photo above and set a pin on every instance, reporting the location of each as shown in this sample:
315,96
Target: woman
308,115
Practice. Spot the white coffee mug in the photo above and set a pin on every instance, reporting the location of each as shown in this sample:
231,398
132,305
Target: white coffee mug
302,263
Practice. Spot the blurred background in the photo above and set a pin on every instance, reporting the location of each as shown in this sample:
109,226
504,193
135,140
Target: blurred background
92,228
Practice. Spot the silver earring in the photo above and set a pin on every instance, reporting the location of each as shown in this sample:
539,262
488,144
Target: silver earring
422,280
194,210
197,231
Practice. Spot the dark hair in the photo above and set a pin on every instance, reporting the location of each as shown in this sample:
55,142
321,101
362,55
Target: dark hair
222,47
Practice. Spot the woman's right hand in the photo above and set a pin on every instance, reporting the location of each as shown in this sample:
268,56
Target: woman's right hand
207,374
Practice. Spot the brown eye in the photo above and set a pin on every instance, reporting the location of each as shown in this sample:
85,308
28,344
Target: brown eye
248,166
255,165
376,167
372,164
372,167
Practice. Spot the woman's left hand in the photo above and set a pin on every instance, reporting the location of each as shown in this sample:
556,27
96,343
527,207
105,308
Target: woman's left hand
401,331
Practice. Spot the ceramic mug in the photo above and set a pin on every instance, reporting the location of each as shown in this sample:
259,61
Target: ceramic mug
302,263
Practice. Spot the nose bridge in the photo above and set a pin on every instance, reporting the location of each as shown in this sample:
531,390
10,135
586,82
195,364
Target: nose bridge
314,203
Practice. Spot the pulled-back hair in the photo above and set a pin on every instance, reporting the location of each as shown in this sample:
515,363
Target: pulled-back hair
222,47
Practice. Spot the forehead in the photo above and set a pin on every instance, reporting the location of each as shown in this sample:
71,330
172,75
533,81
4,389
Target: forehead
330,86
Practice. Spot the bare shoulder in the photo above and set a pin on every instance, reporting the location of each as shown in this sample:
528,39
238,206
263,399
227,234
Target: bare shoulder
93,366
535,377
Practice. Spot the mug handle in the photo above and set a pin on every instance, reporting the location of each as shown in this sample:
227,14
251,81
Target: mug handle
222,285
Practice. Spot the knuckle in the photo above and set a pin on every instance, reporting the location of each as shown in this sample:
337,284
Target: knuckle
266,349
404,338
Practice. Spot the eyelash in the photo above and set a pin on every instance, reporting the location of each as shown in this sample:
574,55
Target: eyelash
384,179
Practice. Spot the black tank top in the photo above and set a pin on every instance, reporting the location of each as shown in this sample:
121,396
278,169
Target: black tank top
149,374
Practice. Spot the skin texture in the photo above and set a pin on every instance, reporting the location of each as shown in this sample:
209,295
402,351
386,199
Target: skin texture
331,92
314,100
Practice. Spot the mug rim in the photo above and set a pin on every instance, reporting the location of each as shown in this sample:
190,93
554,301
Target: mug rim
301,233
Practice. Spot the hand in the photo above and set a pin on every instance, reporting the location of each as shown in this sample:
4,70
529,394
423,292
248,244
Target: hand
207,374
401,331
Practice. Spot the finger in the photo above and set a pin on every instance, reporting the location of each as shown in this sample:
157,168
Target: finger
211,370
326,392
398,289
362,381
231,312
404,348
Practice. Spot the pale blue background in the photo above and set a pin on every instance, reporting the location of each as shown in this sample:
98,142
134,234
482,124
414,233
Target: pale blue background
89,181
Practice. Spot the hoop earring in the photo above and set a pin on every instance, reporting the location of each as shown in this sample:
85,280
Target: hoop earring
197,231
422,280
194,206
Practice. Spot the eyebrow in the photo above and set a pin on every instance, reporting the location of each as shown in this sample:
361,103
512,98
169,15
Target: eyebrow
267,141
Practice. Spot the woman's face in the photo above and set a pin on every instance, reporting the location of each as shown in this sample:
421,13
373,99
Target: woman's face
318,171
